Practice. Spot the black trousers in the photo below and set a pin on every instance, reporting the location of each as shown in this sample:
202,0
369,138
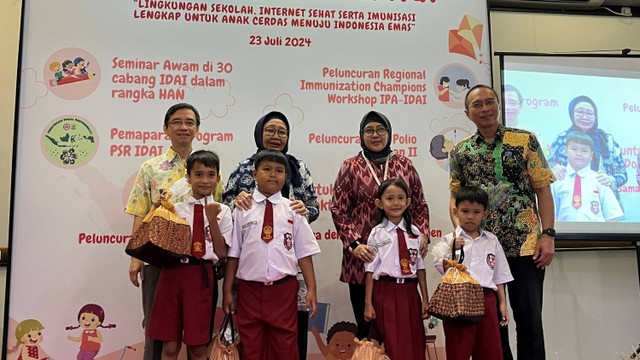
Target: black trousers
525,298
357,295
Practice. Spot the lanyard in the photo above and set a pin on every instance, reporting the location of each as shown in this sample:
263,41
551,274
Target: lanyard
386,168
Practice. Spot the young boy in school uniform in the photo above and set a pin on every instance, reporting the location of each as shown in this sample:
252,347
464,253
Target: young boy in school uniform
580,196
269,239
182,309
487,264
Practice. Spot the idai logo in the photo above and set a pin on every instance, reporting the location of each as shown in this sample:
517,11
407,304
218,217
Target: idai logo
69,141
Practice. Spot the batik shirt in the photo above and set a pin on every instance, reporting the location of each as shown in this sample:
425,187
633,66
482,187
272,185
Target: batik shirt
155,177
241,179
509,170
354,210
611,162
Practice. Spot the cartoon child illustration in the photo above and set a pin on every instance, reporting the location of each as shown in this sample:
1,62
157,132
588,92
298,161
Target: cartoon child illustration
90,317
68,68
440,147
81,67
443,89
56,68
29,334
340,339
462,86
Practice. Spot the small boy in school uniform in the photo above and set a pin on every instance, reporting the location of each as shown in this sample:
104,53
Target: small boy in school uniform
580,196
268,240
182,310
487,264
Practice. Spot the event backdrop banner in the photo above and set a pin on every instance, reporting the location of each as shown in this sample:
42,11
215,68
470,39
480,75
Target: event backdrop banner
98,76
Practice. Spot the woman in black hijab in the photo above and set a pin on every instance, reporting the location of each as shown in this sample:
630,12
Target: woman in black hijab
353,208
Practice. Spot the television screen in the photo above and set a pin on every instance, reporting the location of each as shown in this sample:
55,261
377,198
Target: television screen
585,113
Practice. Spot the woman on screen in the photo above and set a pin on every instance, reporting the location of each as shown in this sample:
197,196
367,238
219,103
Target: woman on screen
607,159
353,205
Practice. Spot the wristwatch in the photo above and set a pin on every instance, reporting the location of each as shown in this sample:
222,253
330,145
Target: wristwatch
549,231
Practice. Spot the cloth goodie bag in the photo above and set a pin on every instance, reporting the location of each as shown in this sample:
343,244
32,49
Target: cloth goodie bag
225,342
459,297
162,239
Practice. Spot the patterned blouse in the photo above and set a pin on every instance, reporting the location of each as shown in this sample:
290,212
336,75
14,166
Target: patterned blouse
509,169
611,162
241,179
354,211
156,175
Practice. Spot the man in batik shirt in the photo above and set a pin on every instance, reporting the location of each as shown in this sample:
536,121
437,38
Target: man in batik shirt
510,165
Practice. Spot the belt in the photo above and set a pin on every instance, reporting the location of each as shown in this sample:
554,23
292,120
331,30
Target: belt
190,260
193,261
267,283
397,280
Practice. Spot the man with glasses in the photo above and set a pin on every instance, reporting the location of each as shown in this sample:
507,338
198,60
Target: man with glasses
156,176
509,164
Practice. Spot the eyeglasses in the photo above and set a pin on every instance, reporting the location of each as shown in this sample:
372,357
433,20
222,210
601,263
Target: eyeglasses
271,132
583,113
513,103
380,130
178,124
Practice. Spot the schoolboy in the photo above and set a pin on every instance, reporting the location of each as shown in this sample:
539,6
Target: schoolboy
487,264
182,309
579,196
268,240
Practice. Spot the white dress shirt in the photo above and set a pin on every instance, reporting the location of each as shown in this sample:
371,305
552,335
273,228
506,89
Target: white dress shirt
384,241
483,257
293,239
185,211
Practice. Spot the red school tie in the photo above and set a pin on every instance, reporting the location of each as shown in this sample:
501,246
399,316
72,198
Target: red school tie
577,192
267,223
197,242
403,253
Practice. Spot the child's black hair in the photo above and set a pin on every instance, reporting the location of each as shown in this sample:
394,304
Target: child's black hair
407,212
203,157
341,326
579,137
472,194
270,155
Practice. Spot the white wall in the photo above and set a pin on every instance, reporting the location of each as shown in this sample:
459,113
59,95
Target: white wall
592,298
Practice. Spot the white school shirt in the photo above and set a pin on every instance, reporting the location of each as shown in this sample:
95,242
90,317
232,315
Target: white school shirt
185,211
384,241
483,257
293,239
598,201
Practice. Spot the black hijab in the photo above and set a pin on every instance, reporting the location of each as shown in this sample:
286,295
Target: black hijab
374,116
293,168
598,136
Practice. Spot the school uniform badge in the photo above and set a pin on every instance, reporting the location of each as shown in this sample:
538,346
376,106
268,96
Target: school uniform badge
595,207
491,261
413,256
207,234
288,241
